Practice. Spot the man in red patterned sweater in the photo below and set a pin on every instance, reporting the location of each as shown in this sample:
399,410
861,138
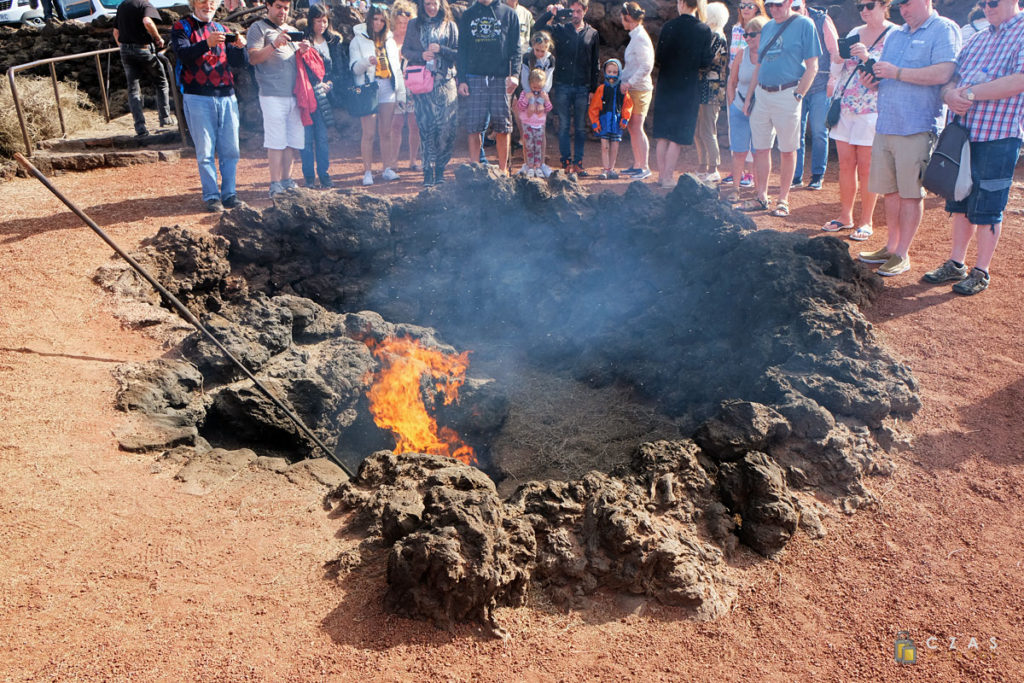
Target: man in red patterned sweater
206,51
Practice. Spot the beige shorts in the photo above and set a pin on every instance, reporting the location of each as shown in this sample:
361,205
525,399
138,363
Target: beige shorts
775,114
898,163
641,101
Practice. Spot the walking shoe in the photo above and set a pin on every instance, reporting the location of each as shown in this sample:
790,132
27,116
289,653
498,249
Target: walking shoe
747,180
545,170
275,189
567,166
644,173
894,266
878,256
289,185
214,206
389,174
713,177
326,182
975,283
169,122
232,202
523,169
631,171
815,183
309,182
613,174
603,175
368,178
578,169
727,179
797,182
947,272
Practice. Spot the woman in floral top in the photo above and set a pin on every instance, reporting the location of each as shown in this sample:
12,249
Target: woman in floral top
712,95
858,112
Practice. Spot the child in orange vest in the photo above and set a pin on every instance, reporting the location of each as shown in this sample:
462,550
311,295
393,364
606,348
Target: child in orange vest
609,112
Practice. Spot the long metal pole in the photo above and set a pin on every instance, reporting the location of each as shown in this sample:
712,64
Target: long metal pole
56,96
181,309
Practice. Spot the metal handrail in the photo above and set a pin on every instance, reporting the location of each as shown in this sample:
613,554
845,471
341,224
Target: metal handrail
50,61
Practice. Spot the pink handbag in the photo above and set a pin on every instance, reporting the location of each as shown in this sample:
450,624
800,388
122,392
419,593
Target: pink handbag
419,79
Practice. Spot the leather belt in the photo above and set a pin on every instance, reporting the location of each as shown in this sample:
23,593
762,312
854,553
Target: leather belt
777,88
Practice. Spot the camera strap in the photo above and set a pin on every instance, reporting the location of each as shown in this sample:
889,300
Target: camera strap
854,73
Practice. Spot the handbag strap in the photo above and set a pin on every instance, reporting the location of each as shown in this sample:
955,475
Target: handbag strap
763,51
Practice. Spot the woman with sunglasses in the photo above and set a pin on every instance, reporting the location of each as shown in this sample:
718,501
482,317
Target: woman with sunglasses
746,10
858,112
402,12
316,158
374,57
433,40
638,61
737,91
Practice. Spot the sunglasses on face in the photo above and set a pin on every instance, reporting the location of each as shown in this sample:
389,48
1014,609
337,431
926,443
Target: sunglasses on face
992,4
403,13
772,5
748,35
865,6
747,5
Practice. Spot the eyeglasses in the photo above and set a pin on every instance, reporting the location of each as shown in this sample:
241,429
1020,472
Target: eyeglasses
748,35
865,6
747,5
403,13
773,5
992,4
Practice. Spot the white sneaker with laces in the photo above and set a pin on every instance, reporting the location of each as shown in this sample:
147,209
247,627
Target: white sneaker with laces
545,170
389,174
368,178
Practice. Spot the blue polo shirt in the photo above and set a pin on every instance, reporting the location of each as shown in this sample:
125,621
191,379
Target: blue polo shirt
784,61
905,108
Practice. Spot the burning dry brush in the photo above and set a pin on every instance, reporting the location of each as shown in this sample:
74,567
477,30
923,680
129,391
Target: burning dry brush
751,340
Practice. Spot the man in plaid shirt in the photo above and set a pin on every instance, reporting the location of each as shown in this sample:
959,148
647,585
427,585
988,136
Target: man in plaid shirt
987,91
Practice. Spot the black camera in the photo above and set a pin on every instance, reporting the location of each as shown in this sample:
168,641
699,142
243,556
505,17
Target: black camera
845,44
230,37
868,67
296,35
563,15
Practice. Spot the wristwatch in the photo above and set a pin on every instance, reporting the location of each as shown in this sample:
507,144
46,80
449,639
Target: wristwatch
797,96
969,94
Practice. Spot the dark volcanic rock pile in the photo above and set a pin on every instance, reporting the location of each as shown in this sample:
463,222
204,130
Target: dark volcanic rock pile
751,342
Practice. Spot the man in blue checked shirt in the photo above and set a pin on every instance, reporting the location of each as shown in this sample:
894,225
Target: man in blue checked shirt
918,59
987,92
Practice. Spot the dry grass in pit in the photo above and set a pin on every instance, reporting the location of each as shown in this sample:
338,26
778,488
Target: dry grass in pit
40,109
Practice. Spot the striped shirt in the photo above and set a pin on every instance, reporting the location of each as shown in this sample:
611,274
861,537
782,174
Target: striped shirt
990,54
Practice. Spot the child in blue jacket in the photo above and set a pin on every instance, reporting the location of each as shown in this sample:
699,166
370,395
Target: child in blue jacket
610,109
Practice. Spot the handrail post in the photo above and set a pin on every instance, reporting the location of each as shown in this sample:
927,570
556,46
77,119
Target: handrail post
103,87
56,96
21,114
179,106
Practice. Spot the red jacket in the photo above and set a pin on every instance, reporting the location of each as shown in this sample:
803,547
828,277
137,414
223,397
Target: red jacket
304,94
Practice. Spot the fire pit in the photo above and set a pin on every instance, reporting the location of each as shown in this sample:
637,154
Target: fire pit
652,385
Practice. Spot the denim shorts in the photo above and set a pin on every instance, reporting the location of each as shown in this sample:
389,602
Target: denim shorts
992,165
739,129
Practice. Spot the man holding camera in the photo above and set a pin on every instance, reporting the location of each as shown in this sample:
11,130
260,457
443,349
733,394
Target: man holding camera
272,46
987,92
917,60
577,75
205,52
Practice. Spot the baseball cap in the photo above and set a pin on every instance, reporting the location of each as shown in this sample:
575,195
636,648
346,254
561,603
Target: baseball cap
797,4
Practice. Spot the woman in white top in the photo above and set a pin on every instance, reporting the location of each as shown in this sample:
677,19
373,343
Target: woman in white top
638,61
373,54
855,131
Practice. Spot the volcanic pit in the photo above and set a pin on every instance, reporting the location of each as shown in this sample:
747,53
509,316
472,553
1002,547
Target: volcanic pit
655,389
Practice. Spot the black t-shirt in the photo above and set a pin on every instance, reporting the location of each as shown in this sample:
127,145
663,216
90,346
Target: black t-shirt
129,21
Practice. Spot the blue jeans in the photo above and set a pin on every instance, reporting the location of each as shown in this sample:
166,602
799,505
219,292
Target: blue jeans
570,103
213,124
812,116
316,149
138,61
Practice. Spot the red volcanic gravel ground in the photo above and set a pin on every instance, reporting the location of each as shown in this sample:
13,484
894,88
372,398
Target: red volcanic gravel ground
110,571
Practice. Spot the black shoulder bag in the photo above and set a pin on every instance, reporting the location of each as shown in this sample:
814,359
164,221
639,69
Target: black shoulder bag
834,107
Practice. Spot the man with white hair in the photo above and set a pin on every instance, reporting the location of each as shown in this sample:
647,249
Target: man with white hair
205,51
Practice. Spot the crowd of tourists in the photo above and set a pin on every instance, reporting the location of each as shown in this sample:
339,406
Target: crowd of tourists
784,76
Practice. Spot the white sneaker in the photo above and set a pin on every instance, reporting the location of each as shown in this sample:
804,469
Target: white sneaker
715,177
545,170
368,178
389,174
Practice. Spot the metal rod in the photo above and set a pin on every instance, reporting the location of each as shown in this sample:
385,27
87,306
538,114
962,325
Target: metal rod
103,87
181,309
172,80
56,96
21,114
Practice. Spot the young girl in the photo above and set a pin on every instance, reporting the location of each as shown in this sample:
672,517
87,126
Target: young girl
534,105
539,56
609,113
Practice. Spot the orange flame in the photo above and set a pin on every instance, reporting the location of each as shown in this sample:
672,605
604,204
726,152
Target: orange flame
397,402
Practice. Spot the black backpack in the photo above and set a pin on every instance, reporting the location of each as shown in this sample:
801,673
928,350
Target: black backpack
950,165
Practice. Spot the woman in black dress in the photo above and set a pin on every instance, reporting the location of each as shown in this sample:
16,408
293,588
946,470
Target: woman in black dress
684,48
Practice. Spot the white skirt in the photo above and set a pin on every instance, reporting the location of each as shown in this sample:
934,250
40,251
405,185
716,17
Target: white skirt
855,129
